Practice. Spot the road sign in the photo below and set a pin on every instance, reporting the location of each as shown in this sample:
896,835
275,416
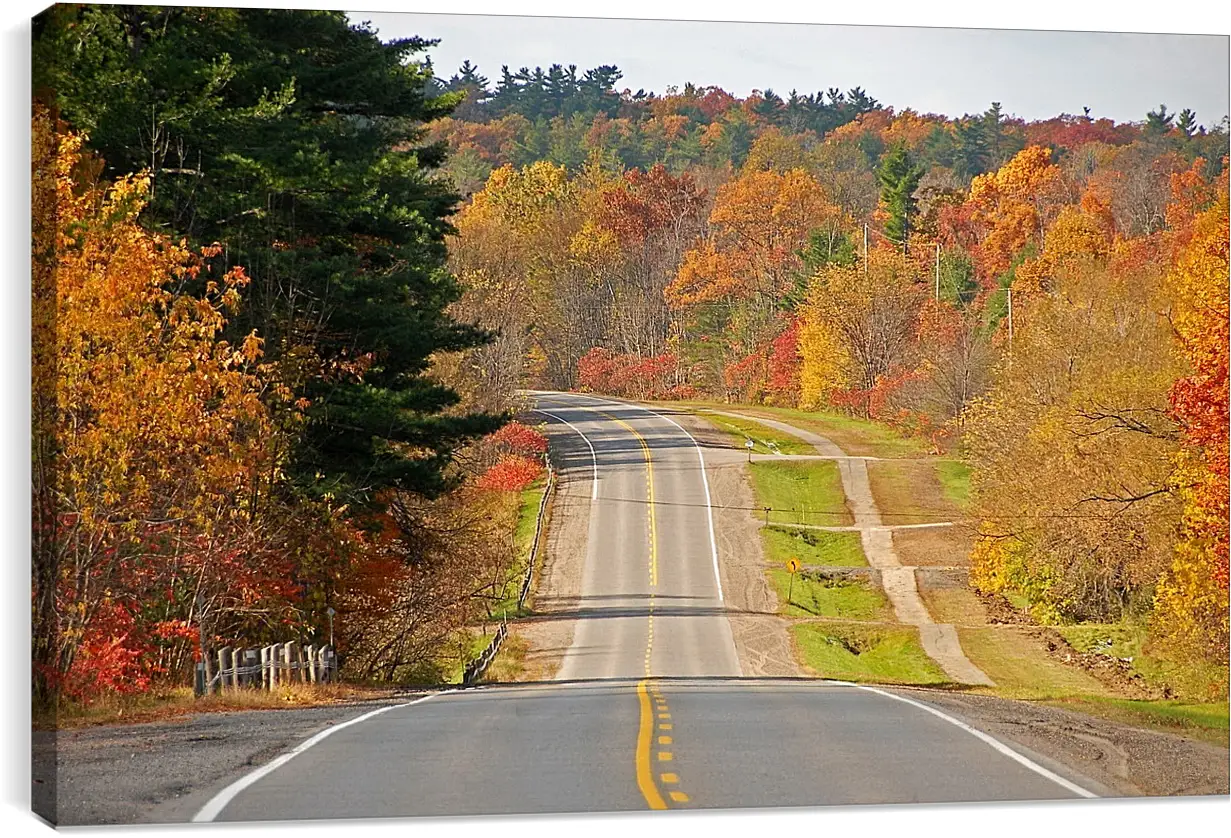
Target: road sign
749,444
793,566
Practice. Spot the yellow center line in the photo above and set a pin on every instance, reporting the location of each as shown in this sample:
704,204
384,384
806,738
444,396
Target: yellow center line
645,734
645,777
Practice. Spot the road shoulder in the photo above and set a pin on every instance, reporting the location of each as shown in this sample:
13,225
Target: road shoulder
1130,760
163,772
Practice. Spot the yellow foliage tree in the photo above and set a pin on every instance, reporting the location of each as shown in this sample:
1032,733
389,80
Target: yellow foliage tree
153,445
1191,607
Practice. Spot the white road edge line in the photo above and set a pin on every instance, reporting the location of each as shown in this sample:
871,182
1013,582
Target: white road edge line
586,439
218,802
705,481
993,742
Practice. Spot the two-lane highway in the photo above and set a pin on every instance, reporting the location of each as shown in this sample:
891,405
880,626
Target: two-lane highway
650,709
651,598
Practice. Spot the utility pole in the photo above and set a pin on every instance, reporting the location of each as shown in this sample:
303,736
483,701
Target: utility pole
938,272
865,248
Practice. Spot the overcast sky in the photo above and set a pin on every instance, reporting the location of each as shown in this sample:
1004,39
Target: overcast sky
1033,74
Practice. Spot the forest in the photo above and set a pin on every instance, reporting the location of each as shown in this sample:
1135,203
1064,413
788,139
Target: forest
287,282
1047,299
239,291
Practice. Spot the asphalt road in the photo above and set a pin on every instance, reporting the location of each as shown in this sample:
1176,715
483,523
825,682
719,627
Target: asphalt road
649,710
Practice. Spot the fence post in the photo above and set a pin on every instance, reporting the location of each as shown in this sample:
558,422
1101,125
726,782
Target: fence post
224,664
309,653
199,683
264,667
288,658
331,664
251,661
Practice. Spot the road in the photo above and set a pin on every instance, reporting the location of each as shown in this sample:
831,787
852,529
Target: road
649,710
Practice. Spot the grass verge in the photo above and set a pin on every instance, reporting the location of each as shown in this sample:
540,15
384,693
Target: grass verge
857,437
954,478
166,703
910,492
509,663
804,492
812,595
816,547
1205,721
523,541
766,440
1021,667
1127,642
883,655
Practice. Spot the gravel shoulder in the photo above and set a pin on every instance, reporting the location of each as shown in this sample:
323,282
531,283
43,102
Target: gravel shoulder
164,772
762,641
1130,761
557,591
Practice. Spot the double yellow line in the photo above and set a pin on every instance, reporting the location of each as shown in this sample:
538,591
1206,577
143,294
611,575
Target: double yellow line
655,714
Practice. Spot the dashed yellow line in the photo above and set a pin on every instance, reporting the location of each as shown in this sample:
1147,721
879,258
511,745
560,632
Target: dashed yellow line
645,777
654,714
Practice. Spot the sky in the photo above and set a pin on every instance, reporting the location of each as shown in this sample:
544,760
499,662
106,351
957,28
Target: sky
1033,74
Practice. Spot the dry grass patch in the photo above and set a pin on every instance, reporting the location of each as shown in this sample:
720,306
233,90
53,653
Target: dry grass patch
1021,667
172,702
510,662
910,492
960,606
934,546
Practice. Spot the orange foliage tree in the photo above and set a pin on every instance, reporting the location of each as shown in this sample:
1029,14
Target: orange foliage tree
1191,611
154,451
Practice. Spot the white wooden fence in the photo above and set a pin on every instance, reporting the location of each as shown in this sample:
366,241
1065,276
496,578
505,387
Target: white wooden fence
267,667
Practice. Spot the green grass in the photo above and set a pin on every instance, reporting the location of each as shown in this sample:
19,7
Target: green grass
523,540
1128,641
527,516
468,647
1206,721
801,492
866,654
766,440
812,547
857,437
1022,668
812,595
955,481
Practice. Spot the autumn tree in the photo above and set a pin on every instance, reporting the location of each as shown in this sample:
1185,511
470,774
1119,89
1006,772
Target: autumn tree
858,328
738,278
156,524
1191,605
1072,446
295,140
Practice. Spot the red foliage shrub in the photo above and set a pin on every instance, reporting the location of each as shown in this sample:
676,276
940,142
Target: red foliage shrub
628,376
784,365
519,439
111,657
512,474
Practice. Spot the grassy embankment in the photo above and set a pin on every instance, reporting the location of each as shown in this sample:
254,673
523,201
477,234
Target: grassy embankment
842,624
508,663
911,487
162,703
